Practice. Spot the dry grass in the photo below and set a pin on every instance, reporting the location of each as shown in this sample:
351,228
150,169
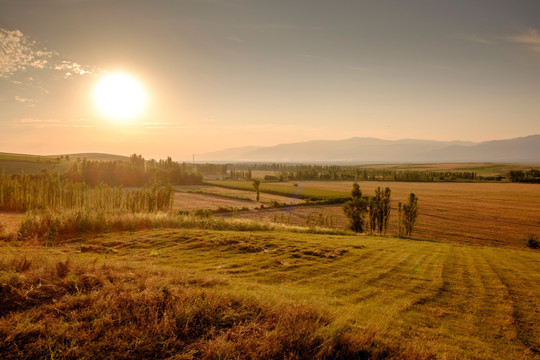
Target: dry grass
11,220
53,228
73,308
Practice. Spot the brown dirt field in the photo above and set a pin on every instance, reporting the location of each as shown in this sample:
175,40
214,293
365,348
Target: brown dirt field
473,213
189,201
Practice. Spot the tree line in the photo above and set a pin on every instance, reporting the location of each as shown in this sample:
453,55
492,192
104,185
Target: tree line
292,172
378,208
135,172
531,176
20,192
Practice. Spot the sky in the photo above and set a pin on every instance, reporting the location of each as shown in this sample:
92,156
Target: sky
228,73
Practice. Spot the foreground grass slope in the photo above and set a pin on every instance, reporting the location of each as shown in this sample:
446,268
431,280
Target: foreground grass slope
224,294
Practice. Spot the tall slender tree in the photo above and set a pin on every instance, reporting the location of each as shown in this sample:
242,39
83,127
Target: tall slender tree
256,185
386,208
355,209
407,215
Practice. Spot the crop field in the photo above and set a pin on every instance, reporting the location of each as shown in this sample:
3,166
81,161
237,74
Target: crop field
191,201
218,291
482,169
285,189
475,213
236,194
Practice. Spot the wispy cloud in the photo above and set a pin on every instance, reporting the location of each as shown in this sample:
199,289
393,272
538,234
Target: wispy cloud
234,39
529,38
18,53
479,39
41,123
24,100
157,125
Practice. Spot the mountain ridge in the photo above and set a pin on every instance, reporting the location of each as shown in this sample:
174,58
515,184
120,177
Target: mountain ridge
374,150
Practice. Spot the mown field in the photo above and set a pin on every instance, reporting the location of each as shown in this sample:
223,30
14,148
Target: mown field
475,213
194,294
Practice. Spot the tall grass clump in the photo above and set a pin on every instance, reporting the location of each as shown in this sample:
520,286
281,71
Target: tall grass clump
52,226
54,193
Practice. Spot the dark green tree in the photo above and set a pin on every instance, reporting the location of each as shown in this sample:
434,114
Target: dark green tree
407,215
355,209
379,210
256,185
385,208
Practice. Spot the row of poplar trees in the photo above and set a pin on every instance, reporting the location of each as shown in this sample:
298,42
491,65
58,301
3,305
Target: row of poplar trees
377,208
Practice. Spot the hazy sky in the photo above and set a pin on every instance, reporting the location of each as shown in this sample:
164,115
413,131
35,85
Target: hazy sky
231,73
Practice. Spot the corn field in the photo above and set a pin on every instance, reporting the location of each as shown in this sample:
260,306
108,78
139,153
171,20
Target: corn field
54,193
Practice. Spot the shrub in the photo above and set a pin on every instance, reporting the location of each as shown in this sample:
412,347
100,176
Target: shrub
532,242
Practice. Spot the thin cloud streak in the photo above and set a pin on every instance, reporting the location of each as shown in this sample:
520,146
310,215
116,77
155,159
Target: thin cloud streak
530,38
42,123
480,39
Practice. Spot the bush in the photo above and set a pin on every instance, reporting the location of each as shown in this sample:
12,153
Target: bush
532,242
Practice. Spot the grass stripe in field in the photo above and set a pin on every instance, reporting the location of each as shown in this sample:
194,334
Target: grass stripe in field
518,291
285,189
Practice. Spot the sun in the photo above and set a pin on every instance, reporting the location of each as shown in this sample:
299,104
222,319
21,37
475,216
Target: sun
120,97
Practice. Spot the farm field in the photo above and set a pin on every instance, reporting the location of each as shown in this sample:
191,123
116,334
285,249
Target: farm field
482,169
235,194
190,201
288,189
475,213
396,298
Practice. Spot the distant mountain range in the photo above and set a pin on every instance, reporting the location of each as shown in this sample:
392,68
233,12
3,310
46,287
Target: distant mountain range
371,150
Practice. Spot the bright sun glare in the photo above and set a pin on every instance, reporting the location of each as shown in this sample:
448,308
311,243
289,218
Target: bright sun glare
120,96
